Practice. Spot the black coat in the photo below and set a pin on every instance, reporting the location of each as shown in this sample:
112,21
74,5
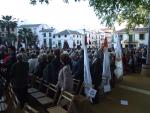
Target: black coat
80,71
40,69
96,71
19,74
48,72
56,66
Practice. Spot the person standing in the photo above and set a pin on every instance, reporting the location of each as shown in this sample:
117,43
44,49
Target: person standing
65,79
19,78
56,66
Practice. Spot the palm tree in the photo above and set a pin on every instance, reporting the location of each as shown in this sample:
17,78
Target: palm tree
27,36
9,23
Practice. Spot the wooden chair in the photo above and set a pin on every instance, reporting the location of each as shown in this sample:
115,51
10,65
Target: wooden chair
36,85
29,109
13,101
35,92
64,103
76,84
3,104
50,95
38,82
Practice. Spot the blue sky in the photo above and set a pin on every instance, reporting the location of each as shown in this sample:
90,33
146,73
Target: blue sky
75,15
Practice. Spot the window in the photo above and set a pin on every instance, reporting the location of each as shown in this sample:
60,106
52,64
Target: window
73,35
54,36
44,34
130,38
50,43
50,34
59,43
141,36
65,35
44,42
53,42
58,36
78,42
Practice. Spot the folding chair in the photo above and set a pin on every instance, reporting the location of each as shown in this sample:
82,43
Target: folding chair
3,104
64,103
36,93
37,83
50,95
29,109
76,84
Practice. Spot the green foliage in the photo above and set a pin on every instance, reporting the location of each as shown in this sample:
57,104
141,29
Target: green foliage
9,22
134,12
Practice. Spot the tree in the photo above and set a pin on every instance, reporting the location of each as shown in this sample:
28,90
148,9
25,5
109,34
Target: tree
134,12
9,23
26,35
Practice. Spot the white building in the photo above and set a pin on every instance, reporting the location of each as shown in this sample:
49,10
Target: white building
36,28
95,39
74,39
134,38
106,33
47,38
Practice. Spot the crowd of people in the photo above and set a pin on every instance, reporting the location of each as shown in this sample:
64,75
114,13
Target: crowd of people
56,66
132,60
59,67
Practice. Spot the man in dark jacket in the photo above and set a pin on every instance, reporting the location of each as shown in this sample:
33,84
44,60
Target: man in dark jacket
56,66
96,74
79,75
19,74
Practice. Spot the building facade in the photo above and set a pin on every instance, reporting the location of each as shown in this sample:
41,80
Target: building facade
73,38
95,39
134,38
36,28
47,37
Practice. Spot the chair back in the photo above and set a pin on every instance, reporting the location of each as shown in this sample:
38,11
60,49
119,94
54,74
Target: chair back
65,100
76,84
29,109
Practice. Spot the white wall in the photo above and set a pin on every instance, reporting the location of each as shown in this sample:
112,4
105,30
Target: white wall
70,39
136,38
